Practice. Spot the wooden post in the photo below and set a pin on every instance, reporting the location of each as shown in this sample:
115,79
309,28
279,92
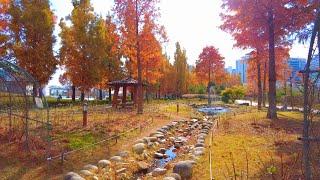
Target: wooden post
124,96
177,108
85,115
115,97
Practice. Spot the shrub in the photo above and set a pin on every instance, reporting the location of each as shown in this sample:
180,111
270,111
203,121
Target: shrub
233,93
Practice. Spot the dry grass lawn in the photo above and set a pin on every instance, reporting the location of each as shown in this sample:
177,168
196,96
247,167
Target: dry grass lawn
249,146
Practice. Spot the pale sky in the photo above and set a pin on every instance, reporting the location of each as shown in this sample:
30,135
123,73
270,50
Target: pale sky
194,23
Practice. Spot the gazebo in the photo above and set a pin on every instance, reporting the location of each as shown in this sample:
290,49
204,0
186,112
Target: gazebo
125,84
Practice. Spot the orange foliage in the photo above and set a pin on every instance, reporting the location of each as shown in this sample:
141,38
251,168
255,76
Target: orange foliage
149,37
210,66
282,73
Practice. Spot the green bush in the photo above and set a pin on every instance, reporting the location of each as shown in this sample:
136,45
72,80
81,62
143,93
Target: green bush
233,93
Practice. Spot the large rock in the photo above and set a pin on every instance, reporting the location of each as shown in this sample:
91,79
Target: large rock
138,148
158,172
91,168
73,176
184,169
104,163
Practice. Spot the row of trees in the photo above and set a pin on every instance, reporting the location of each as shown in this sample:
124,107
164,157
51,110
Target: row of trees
96,50
268,28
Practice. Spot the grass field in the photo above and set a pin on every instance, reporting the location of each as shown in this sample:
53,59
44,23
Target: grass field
68,135
249,146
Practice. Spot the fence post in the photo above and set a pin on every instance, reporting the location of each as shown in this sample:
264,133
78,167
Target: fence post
177,108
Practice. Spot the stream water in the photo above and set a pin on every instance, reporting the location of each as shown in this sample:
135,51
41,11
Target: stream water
213,110
161,163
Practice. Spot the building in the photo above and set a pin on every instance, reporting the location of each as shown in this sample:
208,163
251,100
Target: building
296,64
315,64
241,68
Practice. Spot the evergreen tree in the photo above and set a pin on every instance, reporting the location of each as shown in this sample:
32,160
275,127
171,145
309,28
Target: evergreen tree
181,70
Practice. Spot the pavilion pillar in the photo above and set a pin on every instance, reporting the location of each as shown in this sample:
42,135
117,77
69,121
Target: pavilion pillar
115,96
135,90
124,96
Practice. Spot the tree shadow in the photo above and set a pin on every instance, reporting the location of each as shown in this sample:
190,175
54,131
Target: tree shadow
288,161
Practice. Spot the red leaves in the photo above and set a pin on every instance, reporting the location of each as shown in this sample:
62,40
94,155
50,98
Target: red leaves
210,66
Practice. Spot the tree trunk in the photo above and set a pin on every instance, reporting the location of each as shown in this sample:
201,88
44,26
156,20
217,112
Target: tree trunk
110,98
73,93
264,85
82,96
306,107
272,109
259,81
140,88
291,94
100,94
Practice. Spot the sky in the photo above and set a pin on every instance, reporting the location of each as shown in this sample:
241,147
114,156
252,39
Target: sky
194,23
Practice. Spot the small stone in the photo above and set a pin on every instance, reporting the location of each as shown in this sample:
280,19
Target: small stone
123,154
158,172
174,175
162,150
199,145
158,155
116,159
198,153
104,163
86,173
95,178
152,139
139,141
138,148
72,176
199,149
122,170
143,165
91,168
169,178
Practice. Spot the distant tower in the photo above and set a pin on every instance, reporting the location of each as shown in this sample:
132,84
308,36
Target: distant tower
241,69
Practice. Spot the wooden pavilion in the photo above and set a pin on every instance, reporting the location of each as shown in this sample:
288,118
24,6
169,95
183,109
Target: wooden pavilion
126,84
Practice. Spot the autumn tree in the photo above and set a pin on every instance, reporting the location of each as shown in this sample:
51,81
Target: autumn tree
83,45
111,68
166,83
210,65
274,20
4,5
181,70
31,40
133,16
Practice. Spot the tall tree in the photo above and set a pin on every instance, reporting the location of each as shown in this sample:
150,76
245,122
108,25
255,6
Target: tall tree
210,65
32,25
274,20
131,16
83,46
181,70
112,66
4,5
